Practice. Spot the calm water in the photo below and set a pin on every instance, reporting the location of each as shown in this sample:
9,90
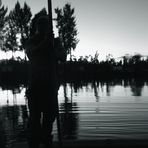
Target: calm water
96,110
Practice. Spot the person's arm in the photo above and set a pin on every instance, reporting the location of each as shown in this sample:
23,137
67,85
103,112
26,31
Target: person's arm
35,49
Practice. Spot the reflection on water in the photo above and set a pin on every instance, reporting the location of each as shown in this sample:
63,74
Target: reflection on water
69,115
88,110
13,115
13,122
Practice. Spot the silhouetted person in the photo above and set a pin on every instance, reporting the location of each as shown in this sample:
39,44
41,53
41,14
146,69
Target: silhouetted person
43,87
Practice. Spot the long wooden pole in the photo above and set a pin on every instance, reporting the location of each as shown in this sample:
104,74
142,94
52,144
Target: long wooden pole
50,20
51,37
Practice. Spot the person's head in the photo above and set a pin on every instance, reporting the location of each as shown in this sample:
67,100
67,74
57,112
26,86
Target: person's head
42,24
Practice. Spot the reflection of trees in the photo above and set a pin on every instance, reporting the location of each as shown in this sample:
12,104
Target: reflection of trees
96,94
15,120
109,85
14,92
108,89
136,87
14,117
15,89
69,117
126,83
79,85
2,131
101,84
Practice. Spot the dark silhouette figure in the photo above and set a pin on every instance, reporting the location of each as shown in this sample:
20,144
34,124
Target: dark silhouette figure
43,87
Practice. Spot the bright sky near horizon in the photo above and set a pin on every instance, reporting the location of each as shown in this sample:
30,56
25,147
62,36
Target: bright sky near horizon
114,27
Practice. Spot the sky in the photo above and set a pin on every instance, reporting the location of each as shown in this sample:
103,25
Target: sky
116,27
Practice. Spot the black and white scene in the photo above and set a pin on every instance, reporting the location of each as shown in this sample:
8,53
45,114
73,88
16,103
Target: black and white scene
73,73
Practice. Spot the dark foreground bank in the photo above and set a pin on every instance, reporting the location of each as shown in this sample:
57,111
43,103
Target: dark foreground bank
134,143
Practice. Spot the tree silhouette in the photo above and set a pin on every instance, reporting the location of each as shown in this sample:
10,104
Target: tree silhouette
3,12
21,18
10,38
136,58
17,28
66,24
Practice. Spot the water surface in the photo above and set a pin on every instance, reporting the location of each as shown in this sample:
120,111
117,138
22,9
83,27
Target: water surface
115,109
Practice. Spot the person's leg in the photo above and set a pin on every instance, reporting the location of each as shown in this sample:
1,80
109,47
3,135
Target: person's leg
49,114
47,126
34,125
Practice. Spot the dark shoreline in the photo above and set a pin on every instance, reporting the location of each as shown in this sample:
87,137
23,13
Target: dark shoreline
18,71
125,143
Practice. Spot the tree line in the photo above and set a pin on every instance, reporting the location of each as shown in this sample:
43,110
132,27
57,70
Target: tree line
18,25
90,68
